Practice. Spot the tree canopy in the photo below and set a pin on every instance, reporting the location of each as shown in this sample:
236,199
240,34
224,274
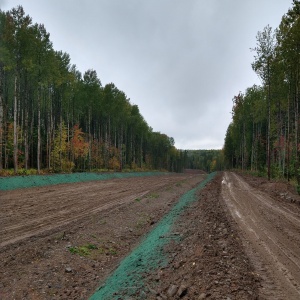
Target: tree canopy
54,118
264,133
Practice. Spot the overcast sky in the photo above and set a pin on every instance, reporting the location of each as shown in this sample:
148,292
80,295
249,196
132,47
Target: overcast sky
180,61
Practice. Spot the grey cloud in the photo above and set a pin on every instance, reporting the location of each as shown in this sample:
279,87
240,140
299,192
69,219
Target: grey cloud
2,2
180,61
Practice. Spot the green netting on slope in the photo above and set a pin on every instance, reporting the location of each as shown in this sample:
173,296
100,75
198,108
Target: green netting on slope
148,256
17,182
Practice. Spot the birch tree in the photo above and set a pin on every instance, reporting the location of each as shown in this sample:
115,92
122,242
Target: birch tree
263,67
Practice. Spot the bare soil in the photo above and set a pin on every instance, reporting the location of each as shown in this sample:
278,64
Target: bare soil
48,234
268,218
239,240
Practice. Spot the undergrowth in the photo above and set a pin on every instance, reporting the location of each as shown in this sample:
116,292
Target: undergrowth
92,250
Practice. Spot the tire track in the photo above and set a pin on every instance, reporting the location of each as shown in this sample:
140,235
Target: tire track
271,230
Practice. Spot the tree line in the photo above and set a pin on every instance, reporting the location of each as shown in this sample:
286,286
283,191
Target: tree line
54,118
206,160
264,133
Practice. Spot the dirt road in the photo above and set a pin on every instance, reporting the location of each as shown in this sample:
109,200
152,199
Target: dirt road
271,235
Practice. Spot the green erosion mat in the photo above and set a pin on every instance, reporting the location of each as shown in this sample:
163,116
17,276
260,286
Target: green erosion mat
127,279
18,182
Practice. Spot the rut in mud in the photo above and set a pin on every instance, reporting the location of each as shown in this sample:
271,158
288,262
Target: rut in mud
271,233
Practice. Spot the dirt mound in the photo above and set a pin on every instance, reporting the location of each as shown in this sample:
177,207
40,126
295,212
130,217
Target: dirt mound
127,280
208,260
278,187
279,190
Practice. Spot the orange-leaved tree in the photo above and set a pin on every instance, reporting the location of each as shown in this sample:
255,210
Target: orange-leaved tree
79,147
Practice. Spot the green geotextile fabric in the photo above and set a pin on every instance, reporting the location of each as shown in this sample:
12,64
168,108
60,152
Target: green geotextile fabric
127,279
18,182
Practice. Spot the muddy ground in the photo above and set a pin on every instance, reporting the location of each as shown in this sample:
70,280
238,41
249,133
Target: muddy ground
268,217
61,242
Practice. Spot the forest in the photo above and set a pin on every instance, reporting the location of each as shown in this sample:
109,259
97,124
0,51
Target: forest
264,133
55,119
206,160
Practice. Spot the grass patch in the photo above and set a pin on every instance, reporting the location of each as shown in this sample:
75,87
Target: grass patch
107,251
142,221
92,250
153,196
112,251
21,172
60,236
83,250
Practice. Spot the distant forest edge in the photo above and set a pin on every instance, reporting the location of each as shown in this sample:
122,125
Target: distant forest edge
54,119
264,133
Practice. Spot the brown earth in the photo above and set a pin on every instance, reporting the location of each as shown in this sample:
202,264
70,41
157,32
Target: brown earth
237,241
41,228
268,216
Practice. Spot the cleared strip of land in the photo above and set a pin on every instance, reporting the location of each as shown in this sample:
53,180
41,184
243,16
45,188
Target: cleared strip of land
61,241
28,212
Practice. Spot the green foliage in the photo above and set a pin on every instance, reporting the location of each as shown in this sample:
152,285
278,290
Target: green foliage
60,151
206,160
153,196
298,189
265,119
83,250
69,120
